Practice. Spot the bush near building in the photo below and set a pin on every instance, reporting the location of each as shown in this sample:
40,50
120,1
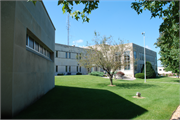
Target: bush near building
139,75
150,73
78,73
60,74
96,73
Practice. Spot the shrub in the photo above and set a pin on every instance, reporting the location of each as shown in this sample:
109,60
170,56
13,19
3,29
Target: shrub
139,75
150,73
174,74
96,73
60,74
166,75
68,73
120,73
78,73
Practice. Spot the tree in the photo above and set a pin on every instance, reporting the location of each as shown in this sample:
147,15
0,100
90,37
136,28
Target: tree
68,7
107,54
150,73
169,29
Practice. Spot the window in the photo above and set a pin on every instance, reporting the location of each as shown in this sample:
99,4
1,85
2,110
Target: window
80,68
127,60
69,68
77,56
80,56
135,56
44,51
119,68
56,53
56,68
41,49
48,54
77,69
135,63
36,46
31,43
66,68
69,55
159,69
66,54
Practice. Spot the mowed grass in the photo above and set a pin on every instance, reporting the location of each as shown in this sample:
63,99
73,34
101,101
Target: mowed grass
90,97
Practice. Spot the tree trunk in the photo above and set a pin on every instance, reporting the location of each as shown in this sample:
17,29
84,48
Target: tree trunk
111,81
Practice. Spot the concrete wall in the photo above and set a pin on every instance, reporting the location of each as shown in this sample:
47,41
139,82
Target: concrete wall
61,61
26,75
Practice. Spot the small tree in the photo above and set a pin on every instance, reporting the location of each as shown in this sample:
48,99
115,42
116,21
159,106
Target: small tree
150,73
107,54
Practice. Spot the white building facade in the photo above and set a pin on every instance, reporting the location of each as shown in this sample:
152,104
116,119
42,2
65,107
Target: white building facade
66,61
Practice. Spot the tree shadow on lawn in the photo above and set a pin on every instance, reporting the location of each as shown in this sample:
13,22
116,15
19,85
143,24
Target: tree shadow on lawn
81,103
130,85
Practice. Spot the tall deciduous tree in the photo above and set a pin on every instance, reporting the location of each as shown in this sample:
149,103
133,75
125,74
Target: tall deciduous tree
168,42
107,54
67,6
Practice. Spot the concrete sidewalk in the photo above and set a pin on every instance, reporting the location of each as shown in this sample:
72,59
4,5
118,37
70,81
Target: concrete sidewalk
125,78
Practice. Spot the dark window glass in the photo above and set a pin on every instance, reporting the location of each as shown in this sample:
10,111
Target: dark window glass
36,46
69,55
66,68
77,56
66,54
77,68
127,60
80,69
56,68
56,53
41,49
69,68
31,43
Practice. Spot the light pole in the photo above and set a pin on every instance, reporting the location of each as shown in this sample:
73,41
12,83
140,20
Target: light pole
143,33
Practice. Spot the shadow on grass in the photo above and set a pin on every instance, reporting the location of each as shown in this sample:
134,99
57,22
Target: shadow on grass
129,85
81,103
176,81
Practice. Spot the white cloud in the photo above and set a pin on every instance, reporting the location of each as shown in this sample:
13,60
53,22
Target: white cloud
76,42
148,47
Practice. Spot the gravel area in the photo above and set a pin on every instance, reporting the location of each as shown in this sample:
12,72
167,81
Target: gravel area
176,114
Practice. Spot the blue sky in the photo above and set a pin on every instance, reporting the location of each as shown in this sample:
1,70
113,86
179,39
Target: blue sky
115,18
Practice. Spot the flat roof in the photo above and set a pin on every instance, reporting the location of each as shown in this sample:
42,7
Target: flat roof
48,14
146,48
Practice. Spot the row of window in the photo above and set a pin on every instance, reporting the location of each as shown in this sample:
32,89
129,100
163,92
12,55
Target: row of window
148,57
68,55
68,68
31,43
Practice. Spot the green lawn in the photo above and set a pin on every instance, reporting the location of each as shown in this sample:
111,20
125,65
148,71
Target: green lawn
90,97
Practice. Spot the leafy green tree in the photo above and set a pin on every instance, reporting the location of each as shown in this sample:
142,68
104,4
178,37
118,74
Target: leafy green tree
67,6
150,73
169,29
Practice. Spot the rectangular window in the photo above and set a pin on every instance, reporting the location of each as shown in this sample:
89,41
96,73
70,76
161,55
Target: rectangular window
69,68
135,56
48,54
159,69
80,68
56,68
56,53
66,69
80,56
77,56
44,51
69,55
127,60
36,46
66,55
77,68
41,49
31,42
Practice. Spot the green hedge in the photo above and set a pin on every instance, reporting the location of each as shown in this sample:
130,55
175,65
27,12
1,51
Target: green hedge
96,73
60,74
78,73
139,75
150,73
